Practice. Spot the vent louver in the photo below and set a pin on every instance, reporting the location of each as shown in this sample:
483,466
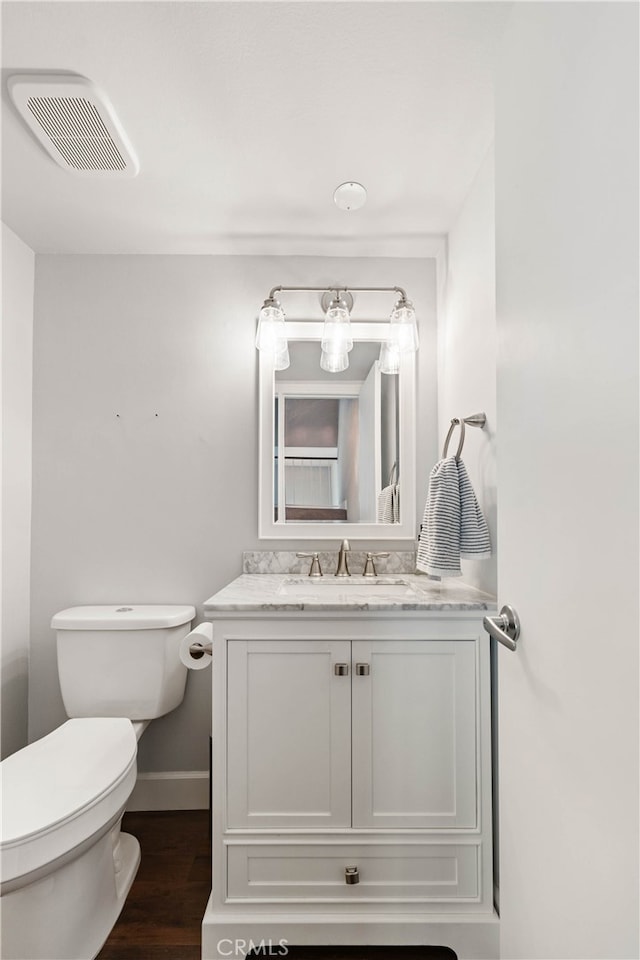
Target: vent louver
75,123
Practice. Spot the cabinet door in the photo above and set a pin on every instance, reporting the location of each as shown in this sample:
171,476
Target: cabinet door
288,733
414,734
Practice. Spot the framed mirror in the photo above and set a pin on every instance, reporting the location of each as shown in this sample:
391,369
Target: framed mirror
337,450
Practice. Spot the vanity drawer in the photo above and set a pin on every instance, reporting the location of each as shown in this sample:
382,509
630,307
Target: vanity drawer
417,872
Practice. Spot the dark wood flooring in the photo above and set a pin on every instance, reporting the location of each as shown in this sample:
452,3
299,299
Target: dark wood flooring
163,913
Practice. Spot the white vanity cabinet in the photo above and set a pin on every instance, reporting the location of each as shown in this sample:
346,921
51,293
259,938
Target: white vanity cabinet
352,780
362,734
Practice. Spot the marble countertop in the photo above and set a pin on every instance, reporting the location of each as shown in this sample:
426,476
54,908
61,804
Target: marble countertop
293,593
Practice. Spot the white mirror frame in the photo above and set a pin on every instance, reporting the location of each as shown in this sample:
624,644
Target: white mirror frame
270,529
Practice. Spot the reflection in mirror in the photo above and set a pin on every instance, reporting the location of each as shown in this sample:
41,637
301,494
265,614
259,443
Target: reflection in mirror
337,449
336,440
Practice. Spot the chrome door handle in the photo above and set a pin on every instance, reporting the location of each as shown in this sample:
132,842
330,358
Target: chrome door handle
505,628
341,669
362,669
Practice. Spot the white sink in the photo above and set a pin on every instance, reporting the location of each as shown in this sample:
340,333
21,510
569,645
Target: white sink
347,588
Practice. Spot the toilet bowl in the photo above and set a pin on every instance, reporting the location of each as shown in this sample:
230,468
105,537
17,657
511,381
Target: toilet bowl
65,865
62,802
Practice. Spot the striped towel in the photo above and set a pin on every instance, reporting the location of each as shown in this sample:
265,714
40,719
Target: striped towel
388,505
388,502
453,525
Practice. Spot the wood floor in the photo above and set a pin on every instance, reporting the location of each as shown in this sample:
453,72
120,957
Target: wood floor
162,916
163,913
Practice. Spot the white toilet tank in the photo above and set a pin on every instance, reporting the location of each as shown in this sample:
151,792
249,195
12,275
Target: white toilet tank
122,661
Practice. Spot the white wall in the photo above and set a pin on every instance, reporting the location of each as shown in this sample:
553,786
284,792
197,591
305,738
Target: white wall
145,441
17,344
467,354
567,389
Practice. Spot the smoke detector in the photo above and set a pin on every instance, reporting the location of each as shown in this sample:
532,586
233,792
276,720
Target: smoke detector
350,196
75,123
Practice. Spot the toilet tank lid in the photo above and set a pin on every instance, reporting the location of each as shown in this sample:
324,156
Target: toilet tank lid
124,616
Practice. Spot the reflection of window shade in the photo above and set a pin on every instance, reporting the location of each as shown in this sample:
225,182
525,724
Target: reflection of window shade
309,482
311,421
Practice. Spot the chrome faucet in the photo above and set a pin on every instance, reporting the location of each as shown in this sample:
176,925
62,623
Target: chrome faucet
343,567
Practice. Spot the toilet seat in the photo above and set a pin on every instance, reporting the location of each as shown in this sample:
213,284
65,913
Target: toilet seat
62,790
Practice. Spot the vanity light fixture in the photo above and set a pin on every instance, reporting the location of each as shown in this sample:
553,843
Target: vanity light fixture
337,338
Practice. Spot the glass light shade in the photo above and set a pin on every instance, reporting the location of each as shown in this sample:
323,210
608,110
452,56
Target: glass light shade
272,331
334,362
282,360
336,334
389,357
404,329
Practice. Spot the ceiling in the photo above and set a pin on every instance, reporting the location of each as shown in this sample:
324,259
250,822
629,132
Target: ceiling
246,116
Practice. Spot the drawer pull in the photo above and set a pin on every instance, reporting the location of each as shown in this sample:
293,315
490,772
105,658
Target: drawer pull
351,875
341,669
362,669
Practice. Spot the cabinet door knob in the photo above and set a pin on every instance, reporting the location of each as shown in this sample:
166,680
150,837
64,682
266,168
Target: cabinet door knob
362,669
341,669
351,875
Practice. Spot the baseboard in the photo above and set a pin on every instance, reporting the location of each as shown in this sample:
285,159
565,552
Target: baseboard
470,936
171,790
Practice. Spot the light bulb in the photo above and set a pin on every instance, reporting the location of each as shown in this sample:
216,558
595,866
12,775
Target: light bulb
404,329
334,362
336,334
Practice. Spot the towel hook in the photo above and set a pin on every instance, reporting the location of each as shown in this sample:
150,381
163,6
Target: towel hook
475,420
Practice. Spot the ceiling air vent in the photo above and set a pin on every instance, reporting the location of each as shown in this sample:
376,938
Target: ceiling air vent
75,123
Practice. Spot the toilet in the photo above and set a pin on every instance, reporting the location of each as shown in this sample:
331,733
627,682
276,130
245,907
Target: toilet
65,865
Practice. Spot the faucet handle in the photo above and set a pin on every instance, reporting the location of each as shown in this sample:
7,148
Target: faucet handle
314,570
369,565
